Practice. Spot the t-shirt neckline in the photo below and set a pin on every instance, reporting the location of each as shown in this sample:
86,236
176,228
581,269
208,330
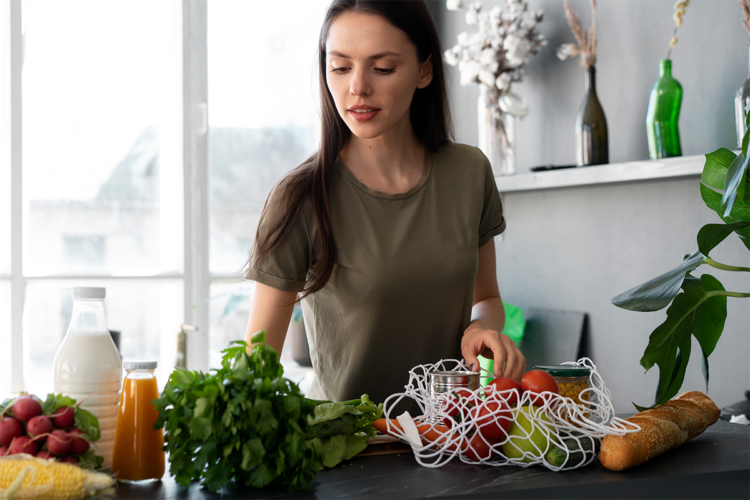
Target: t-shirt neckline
388,196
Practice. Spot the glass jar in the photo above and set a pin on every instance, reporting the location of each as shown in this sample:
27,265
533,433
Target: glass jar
138,455
571,380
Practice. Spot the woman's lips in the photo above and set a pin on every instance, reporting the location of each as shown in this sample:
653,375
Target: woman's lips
364,117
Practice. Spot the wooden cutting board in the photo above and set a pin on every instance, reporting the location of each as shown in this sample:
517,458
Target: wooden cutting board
384,445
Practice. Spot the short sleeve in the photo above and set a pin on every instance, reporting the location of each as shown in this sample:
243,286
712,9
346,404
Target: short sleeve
286,267
492,221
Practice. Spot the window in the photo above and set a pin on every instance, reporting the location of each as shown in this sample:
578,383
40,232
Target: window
112,112
263,122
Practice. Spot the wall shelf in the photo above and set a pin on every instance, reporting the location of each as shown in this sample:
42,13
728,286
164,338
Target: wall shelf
684,166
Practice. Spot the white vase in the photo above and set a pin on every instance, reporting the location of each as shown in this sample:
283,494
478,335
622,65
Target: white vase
497,134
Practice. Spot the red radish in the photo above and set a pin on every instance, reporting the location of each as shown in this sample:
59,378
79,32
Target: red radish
69,460
3,451
58,442
79,446
22,444
9,428
38,426
44,454
26,407
63,417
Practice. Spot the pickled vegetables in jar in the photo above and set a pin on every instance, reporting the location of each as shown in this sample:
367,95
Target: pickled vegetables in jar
571,380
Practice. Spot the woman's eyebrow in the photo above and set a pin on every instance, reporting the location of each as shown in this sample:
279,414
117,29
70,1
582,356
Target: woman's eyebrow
376,56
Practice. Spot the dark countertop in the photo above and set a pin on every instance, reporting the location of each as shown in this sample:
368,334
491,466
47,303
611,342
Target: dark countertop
715,464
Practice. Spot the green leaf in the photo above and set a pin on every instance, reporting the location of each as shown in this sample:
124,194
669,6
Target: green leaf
704,366
261,416
258,337
334,450
711,235
91,461
716,167
710,316
56,401
6,405
692,312
331,411
657,293
735,175
88,423
260,477
345,424
252,453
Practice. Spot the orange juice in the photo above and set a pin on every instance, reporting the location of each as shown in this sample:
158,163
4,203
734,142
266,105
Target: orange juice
138,455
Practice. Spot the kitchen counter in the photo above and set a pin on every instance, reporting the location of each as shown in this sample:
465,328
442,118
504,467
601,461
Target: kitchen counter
716,464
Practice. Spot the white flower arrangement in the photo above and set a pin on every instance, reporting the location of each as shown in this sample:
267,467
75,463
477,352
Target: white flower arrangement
494,53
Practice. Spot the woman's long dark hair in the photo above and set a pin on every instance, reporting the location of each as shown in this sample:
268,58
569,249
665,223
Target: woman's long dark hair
308,183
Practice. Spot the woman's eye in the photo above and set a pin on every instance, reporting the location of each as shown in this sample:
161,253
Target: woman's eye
338,70
385,71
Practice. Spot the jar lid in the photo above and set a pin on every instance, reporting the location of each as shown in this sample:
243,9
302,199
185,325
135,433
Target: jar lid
139,365
89,292
565,370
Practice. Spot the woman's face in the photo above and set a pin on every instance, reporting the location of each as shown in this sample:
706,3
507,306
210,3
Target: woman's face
372,73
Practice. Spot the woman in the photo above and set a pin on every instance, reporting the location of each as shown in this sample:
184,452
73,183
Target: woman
386,232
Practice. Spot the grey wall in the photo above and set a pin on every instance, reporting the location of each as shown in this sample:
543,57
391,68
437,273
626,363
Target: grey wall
710,61
575,248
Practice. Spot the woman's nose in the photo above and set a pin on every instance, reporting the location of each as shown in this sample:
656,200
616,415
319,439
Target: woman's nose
360,84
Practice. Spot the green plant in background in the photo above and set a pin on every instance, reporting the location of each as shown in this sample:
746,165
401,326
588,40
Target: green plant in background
701,309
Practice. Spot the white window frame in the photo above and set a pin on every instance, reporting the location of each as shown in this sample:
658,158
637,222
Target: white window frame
196,278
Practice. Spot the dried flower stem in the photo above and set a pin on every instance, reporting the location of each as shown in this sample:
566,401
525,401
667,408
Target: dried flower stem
586,40
679,10
745,4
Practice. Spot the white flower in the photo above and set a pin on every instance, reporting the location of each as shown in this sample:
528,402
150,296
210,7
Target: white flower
469,72
567,51
463,39
454,4
451,57
516,50
484,22
503,81
471,17
496,15
528,20
477,6
487,77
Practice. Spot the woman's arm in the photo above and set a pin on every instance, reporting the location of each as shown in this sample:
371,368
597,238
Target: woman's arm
483,334
271,311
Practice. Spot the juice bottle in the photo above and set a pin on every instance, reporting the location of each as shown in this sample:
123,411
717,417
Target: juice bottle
87,365
138,453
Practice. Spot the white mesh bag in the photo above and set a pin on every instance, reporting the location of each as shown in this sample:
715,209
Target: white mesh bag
502,427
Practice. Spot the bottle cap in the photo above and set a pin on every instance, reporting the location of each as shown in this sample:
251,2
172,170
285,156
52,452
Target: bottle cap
139,365
89,292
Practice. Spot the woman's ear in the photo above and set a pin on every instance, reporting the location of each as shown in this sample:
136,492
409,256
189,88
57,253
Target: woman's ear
425,73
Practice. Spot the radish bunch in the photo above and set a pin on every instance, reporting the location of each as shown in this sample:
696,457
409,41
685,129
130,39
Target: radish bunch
56,428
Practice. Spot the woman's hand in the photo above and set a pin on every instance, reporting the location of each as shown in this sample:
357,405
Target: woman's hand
478,339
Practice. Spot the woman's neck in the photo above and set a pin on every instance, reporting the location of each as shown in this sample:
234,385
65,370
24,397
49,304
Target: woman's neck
392,163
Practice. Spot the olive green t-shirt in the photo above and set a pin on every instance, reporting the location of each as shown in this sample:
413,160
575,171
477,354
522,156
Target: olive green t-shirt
402,286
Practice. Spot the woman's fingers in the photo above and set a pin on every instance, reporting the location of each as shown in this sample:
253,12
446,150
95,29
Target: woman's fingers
515,362
504,351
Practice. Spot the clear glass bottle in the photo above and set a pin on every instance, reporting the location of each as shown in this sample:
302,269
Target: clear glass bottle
138,455
592,138
741,100
497,133
663,114
87,365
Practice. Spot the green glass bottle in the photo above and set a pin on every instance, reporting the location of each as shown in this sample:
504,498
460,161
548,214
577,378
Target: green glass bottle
663,114
592,140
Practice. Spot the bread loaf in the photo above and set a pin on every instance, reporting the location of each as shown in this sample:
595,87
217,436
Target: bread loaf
663,427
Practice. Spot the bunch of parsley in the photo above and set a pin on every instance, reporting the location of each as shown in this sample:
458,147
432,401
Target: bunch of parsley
241,425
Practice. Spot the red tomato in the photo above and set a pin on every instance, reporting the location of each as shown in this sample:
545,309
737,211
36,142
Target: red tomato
506,384
493,420
537,382
478,449
457,406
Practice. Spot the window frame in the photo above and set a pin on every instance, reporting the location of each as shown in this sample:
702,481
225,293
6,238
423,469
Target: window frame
195,276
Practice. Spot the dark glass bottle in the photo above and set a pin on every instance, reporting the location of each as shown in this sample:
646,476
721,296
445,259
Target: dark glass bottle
592,140
663,114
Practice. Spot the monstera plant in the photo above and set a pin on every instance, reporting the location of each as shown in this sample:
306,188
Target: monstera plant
698,304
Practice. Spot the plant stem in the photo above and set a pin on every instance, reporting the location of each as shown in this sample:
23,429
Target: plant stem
718,265
725,294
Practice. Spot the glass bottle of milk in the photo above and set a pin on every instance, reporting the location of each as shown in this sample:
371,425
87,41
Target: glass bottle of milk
88,366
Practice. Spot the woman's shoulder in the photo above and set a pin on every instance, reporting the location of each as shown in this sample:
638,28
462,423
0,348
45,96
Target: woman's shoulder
456,157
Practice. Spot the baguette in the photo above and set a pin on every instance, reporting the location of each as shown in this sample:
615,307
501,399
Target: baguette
663,428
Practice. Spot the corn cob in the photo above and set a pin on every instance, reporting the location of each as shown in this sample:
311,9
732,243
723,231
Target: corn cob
24,476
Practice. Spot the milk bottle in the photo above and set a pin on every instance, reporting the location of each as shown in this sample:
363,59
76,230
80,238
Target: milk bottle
87,364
